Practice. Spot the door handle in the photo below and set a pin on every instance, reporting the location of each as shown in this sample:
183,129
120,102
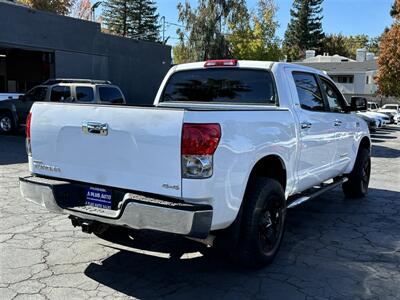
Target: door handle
337,123
305,125
95,128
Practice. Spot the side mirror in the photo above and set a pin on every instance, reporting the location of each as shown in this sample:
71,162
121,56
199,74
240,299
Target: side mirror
22,98
358,103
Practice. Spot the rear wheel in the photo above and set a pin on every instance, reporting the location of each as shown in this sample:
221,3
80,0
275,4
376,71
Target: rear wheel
6,123
262,224
357,185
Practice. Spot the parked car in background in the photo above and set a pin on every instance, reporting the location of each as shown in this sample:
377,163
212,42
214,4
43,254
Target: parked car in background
397,118
371,121
9,96
13,112
381,117
373,106
228,146
395,107
391,110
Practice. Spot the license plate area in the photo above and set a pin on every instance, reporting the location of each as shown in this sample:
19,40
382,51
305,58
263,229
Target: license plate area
98,197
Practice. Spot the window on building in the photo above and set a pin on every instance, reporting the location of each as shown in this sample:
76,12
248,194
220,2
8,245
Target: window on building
84,94
110,95
343,78
60,94
310,96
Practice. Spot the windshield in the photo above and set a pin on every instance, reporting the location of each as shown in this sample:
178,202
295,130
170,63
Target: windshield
225,85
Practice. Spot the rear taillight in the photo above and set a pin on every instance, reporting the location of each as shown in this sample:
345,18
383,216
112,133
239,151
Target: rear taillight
28,126
199,142
28,134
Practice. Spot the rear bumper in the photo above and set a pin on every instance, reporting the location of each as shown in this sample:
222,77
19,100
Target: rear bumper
137,211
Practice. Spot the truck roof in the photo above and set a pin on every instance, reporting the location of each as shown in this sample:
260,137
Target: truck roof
268,65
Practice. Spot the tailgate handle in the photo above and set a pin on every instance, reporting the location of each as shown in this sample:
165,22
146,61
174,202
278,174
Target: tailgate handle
95,128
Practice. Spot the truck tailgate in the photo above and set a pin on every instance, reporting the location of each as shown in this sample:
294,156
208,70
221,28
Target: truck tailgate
135,148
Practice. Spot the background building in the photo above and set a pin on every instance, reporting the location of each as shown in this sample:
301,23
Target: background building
353,77
36,45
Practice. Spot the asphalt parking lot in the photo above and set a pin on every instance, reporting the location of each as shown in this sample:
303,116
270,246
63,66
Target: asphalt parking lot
333,248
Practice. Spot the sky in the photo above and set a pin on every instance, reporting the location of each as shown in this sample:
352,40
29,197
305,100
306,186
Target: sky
349,17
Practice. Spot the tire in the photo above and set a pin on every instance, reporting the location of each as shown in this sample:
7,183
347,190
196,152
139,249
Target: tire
262,223
6,123
357,185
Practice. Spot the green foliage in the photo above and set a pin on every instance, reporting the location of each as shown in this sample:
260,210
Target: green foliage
336,44
205,25
305,29
61,7
254,37
145,20
225,29
348,45
395,11
132,18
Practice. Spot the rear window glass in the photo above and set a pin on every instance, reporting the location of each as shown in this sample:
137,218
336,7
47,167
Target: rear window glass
110,95
241,86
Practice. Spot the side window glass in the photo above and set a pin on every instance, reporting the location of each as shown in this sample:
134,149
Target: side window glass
310,96
84,94
335,100
60,94
110,95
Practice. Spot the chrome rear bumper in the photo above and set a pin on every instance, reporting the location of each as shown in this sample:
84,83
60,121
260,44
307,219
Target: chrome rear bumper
136,210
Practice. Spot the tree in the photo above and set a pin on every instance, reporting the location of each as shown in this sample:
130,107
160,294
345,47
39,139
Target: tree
116,16
61,7
336,44
144,20
395,11
388,76
132,18
305,28
352,43
82,10
254,38
347,45
205,26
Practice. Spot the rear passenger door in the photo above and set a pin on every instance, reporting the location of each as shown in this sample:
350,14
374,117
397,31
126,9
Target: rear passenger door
343,122
317,134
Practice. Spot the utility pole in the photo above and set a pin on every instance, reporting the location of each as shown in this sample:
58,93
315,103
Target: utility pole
163,29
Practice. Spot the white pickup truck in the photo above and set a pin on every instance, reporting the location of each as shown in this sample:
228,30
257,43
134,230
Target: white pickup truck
228,146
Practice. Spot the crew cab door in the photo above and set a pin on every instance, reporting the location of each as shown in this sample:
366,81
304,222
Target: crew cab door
316,130
344,123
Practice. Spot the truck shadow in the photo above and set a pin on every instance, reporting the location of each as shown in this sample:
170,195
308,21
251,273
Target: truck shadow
325,239
384,152
12,150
